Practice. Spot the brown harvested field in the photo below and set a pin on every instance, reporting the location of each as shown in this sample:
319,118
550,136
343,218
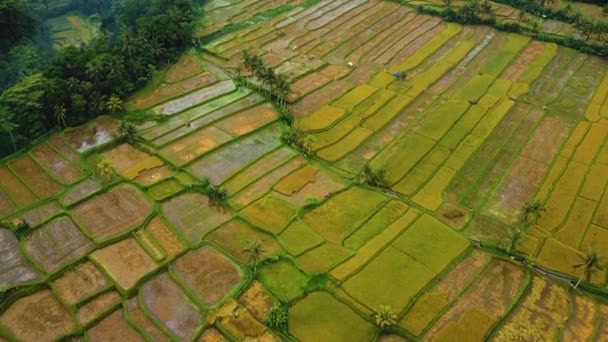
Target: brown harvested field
57,244
260,187
80,283
159,95
540,315
296,180
236,236
583,318
154,175
143,322
519,186
15,189
80,192
315,100
257,301
323,186
38,317
60,168
15,269
196,82
97,307
185,150
124,156
193,215
112,213
212,335
377,42
185,68
113,328
408,45
208,274
307,84
125,262
437,298
167,240
35,176
170,306
519,65
389,20
489,297
257,170
94,133
34,217
60,145
6,204
248,120
406,33
602,330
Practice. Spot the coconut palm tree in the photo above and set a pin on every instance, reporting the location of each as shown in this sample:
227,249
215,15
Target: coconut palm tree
514,238
127,132
255,251
7,126
533,211
104,168
60,114
590,263
384,316
113,104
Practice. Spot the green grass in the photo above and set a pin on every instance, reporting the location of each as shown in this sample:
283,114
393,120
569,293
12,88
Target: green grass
343,213
392,278
323,258
299,237
380,221
431,243
284,280
320,317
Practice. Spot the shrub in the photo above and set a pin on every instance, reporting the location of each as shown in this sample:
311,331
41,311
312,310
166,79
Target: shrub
278,317
384,317
294,137
376,178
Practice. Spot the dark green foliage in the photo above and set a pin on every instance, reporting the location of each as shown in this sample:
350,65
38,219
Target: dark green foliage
255,251
16,23
294,137
376,178
18,226
278,318
215,193
533,211
590,263
86,82
127,132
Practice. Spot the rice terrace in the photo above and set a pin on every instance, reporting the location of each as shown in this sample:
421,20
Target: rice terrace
305,170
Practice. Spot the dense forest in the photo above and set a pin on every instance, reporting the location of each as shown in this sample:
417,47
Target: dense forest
76,84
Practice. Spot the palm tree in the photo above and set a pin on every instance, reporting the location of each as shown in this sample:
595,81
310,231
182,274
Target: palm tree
7,126
282,89
255,252
104,168
533,211
385,318
375,178
60,114
590,263
514,238
127,132
95,70
113,104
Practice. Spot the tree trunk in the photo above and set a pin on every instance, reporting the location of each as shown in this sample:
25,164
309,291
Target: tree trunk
578,282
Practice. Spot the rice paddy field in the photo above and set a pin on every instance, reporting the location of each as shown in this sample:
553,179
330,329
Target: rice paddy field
483,122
